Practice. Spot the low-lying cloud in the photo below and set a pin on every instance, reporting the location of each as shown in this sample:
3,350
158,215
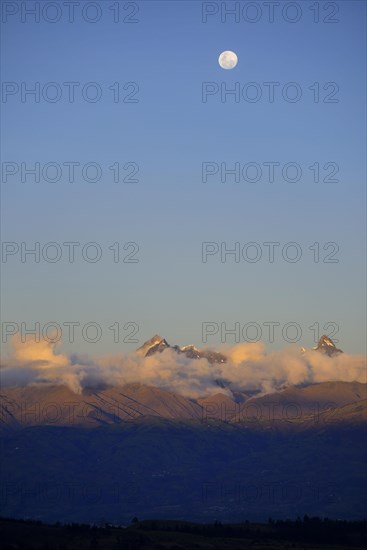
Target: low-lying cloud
249,367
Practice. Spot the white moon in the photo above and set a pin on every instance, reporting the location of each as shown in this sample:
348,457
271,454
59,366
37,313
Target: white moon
228,60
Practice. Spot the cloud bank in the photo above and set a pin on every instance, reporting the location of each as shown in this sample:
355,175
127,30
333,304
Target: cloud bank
249,367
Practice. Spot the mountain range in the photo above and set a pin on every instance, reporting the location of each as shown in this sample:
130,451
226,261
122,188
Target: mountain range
157,344
116,452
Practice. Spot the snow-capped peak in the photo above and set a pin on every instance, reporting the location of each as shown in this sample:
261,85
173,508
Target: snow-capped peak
325,341
327,346
156,340
190,346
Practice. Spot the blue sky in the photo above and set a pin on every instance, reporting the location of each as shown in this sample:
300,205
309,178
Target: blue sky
169,53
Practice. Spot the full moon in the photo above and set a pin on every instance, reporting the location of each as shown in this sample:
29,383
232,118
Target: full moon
228,60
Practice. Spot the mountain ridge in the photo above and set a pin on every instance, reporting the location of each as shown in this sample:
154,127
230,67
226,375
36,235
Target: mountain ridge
59,406
157,344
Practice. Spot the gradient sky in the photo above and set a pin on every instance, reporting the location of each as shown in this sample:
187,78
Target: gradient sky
169,132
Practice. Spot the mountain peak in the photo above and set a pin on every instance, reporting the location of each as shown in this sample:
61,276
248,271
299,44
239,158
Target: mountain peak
190,346
326,345
156,339
156,343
